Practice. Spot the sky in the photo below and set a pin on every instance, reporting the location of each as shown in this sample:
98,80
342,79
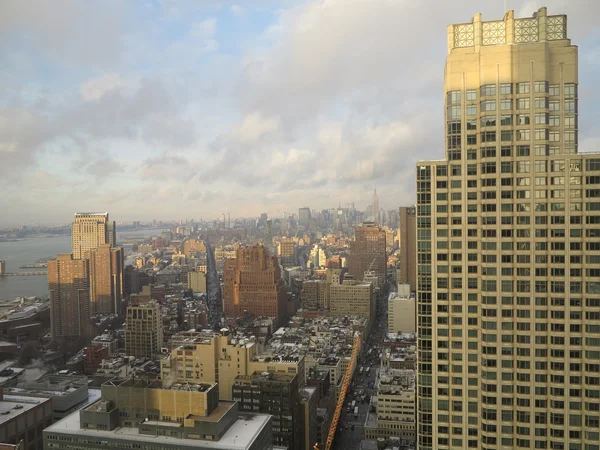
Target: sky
164,109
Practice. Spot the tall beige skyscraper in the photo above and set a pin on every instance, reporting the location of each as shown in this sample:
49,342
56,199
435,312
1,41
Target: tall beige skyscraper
89,230
508,248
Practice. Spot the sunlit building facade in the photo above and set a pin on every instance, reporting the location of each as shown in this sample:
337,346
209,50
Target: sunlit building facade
508,248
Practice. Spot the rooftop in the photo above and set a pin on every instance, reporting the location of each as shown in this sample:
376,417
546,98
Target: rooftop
14,405
238,437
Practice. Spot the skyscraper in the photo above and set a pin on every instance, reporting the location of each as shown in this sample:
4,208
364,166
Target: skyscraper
252,282
106,279
68,282
144,330
408,246
508,248
304,217
376,212
89,230
368,253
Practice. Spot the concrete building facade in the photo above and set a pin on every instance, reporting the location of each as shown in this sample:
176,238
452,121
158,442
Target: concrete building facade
509,248
252,283
196,281
368,252
106,279
144,330
89,231
138,413
408,246
275,394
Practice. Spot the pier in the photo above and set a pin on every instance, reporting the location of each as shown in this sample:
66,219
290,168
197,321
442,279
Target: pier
21,274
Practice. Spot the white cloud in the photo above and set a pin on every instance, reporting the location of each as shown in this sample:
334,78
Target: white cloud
95,88
254,126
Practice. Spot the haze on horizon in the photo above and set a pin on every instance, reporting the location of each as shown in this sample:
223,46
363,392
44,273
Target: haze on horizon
172,109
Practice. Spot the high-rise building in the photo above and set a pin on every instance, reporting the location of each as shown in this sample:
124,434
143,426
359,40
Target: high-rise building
286,251
408,246
196,281
375,212
68,283
508,248
276,394
368,253
106,279
304,217
144,330
252,283
352,298
402,310
89,230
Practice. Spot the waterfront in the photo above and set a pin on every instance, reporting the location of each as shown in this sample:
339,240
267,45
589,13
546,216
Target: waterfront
29,251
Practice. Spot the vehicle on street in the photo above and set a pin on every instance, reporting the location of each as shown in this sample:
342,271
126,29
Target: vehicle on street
356,412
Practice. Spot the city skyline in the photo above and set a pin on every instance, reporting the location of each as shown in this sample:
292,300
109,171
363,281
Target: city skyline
127,122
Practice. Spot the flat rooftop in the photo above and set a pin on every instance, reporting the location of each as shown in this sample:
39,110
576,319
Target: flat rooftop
13,405
239,436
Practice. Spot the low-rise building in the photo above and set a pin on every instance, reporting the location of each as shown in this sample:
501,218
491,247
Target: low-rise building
138,412
23,419
395,412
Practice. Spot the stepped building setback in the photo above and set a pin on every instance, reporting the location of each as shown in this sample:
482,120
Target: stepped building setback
509,248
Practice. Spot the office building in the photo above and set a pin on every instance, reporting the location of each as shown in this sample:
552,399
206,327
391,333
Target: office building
139,413
275,394
106,279
68,283
309,405
508,248
252,283
304,217
286,251
67,393
210,357
144,330
395,409
402,310
375,209
408,246
196,281
23,419
367,252
352,298
89,230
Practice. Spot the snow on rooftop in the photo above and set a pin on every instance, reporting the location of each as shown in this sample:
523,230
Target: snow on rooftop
239,436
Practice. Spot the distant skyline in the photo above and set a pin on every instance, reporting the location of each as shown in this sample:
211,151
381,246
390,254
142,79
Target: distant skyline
160,109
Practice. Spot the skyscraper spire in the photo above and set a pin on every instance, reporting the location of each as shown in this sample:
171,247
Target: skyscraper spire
376,217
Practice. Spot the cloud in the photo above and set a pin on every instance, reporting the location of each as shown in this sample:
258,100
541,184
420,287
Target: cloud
194,106
95,88
76,33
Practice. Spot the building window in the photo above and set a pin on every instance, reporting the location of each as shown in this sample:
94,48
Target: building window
454,98
523,103
506,88
488,89
523,88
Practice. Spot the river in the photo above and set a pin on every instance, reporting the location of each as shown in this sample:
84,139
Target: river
29,251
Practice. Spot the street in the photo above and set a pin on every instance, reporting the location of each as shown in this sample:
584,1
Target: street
351,428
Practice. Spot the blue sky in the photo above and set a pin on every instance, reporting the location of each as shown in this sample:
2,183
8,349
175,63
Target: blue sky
171,109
